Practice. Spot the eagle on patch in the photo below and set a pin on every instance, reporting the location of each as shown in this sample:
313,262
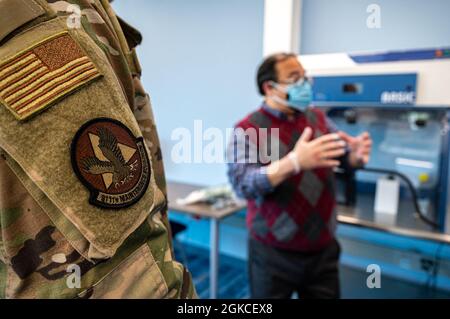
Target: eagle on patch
116,164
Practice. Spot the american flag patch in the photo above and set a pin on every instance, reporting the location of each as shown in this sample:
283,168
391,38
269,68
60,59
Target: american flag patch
38,76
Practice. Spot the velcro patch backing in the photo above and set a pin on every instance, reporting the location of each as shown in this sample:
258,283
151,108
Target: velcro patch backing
38,76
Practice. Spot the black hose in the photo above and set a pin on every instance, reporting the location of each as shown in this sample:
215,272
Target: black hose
408,182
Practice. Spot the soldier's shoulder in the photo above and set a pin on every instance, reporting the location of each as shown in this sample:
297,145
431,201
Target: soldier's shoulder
17,14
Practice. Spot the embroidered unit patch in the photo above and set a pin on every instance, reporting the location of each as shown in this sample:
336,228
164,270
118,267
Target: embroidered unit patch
111,162
39,76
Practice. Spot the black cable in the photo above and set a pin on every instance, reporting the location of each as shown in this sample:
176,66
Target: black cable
437,266
408,182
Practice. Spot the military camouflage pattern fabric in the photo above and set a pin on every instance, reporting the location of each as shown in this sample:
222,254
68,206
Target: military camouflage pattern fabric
45,255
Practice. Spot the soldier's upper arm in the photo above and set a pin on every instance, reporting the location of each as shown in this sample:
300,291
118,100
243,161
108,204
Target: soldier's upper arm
2,249
66,123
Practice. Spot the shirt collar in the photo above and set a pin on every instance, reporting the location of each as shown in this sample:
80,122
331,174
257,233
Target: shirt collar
278,114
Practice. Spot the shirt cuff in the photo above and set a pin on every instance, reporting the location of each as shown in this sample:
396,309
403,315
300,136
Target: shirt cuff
263,182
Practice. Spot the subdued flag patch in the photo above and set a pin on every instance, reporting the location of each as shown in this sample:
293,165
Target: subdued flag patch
39,76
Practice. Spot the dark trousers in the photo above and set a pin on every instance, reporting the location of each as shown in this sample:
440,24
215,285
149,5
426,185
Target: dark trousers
276,273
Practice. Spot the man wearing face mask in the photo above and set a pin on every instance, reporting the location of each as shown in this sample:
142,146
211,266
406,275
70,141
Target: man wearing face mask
291,201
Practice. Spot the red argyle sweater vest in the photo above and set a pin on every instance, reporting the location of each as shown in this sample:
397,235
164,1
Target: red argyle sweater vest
300,214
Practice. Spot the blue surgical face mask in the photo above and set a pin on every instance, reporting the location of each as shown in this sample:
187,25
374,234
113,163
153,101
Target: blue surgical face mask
299,95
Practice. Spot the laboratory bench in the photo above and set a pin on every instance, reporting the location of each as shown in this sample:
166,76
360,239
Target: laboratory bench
405,223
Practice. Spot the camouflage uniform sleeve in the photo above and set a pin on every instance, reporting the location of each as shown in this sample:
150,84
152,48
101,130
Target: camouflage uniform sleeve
82,201
2,248
143,111
2,282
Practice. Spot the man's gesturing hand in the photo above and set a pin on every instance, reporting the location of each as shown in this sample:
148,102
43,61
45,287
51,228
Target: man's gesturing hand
360,148
321,152
307,155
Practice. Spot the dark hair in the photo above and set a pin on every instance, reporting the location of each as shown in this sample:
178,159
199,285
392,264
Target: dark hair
267,70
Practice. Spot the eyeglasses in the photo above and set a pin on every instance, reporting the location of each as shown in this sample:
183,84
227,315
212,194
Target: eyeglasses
299,81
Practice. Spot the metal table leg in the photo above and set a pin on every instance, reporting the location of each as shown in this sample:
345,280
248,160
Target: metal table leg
214,258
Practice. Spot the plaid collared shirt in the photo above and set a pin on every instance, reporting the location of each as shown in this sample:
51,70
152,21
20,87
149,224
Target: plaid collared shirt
250,180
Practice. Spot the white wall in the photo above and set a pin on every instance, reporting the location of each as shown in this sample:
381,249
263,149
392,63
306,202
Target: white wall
199,59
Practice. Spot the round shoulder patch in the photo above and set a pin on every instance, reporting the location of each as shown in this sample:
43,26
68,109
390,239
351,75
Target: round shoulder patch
111,162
